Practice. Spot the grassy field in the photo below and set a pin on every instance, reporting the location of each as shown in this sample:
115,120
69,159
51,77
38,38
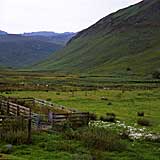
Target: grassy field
48,81
95,94
125,104
56,147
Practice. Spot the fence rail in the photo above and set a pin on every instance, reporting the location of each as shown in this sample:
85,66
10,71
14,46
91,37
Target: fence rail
46,103
75,118
14,109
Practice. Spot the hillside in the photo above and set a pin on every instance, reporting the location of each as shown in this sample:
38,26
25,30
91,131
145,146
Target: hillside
3,33
125,41
19,51
57,38
22,50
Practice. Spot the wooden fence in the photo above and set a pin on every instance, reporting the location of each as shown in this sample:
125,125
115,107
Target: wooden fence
81,118
56,106
10,108
68,115
13,109
44,103
14,119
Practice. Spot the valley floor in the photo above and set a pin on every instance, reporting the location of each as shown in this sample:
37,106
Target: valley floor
55,147
94,95
125,104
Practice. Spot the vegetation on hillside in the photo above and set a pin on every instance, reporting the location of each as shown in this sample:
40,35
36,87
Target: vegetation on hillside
23,50
125,39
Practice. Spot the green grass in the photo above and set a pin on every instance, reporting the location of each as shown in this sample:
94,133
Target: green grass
46,146
56,146
133,95
101,55
124,105
44,81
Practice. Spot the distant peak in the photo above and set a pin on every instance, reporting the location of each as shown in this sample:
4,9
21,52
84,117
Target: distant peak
46,33
3,32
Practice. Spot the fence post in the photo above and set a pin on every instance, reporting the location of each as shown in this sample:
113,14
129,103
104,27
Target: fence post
7,108
33,101
0,105
88,118
18,111
29,126
50,117
66,116
53,119
2,110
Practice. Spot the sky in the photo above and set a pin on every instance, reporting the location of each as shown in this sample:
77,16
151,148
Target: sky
19,16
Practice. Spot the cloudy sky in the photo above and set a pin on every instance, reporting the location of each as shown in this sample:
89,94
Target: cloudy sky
18,16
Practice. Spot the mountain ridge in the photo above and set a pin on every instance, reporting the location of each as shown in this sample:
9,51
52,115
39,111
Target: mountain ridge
3,33
17,50
128,38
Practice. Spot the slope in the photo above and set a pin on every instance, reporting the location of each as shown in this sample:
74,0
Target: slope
57,38
19,51
3,33
127,40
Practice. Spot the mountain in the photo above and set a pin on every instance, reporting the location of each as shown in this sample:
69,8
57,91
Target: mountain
41,33
3,33
19,51
58,38
125,41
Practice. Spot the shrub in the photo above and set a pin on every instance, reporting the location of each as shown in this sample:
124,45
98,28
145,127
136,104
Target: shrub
128,69
156,74
140,114
42,145
14,131
111,114
99,138
104,98
82,157
63,126
144,122
48,99
102,118
110,117
93,116
109,104
60,146
7,149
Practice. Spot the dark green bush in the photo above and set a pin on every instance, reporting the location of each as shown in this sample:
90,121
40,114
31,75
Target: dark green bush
60,146
156,74
110,117
93,116
7,149
128,69
48,99
140,114
109,104
14,131
144,122
98,138
104,98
